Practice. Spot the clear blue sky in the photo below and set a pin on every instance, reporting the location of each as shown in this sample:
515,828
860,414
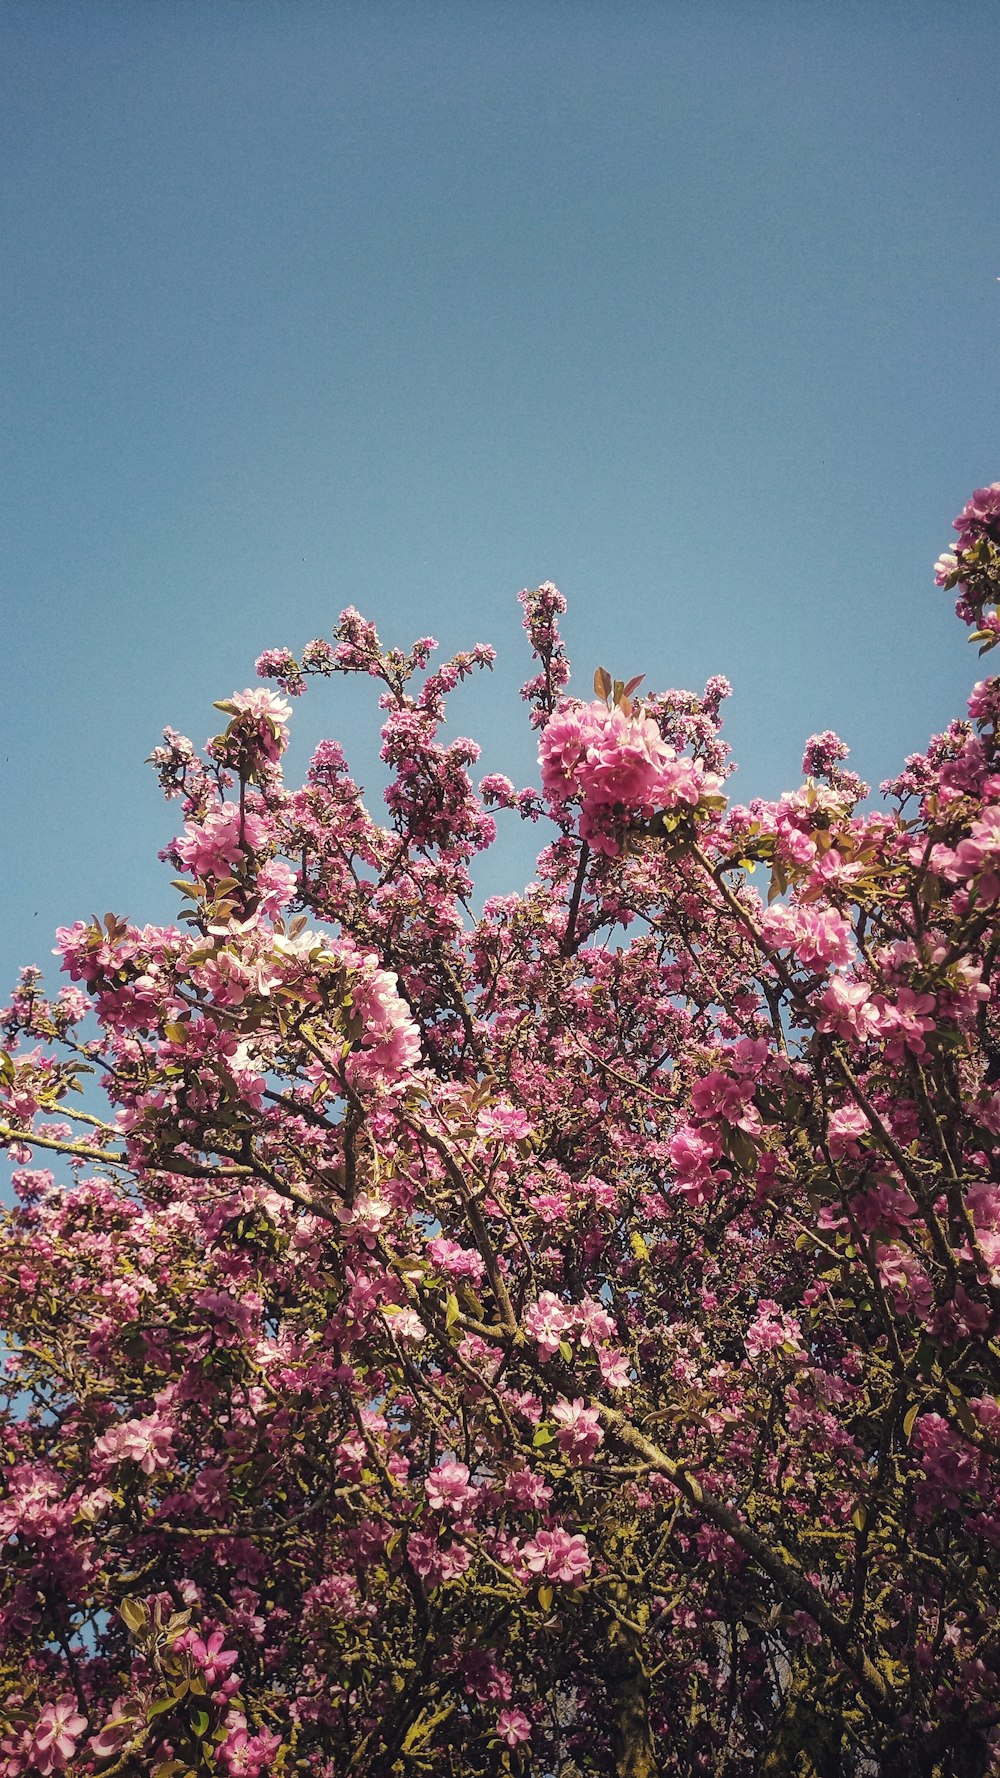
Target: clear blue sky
691,308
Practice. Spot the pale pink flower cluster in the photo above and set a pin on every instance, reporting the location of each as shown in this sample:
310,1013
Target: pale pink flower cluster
984,701
845,1127
454,1260
213,847
817,936
579,1433
852,1011
618,766
147,1442
848,1010
823,753
771,1328
547,1321
447,1488
390,1044
977,857
436,1562
392,1039
557,1555
502,1121
265,716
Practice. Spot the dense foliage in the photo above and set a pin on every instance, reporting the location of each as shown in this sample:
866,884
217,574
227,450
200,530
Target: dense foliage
565,1341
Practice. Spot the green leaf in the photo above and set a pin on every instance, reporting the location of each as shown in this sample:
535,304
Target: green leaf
134,1614
543,1436
451,1311
199,1723
565,1351
908,1419
546,1595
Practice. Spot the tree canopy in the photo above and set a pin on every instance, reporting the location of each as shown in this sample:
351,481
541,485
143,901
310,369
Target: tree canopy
559,1341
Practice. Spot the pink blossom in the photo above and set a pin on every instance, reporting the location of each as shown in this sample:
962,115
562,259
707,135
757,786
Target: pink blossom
455,1261
580,1431
818,936
247,1755
772,1328
502,1121
147,1442
210,1655
845,1127
513,1727
906,1281
846,1009
557,1554
547,1322
905,1021
447,1487
952,1466
57,1732
979,517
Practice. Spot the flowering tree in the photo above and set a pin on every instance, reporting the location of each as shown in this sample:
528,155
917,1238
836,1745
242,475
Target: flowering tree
565,1341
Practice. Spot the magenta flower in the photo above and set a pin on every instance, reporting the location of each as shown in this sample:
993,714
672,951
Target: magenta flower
57,1732
513,1727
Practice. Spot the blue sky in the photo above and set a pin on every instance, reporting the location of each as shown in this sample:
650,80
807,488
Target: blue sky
692,309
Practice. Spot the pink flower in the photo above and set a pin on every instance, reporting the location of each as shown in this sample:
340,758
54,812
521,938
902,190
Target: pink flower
57,1732
447,1487
772,1328
979,856
822,753
844,1128
547,1322
905,1022
847,1011
502,1121
619,766
263,715
209,1654
557,1554
979,517
390,1046
719,1095
246,1755
527,1490
455,1261
580,1431
818,936
147,1442
213,847
118,1729
951,1466
565,743
906,1281
513,1727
